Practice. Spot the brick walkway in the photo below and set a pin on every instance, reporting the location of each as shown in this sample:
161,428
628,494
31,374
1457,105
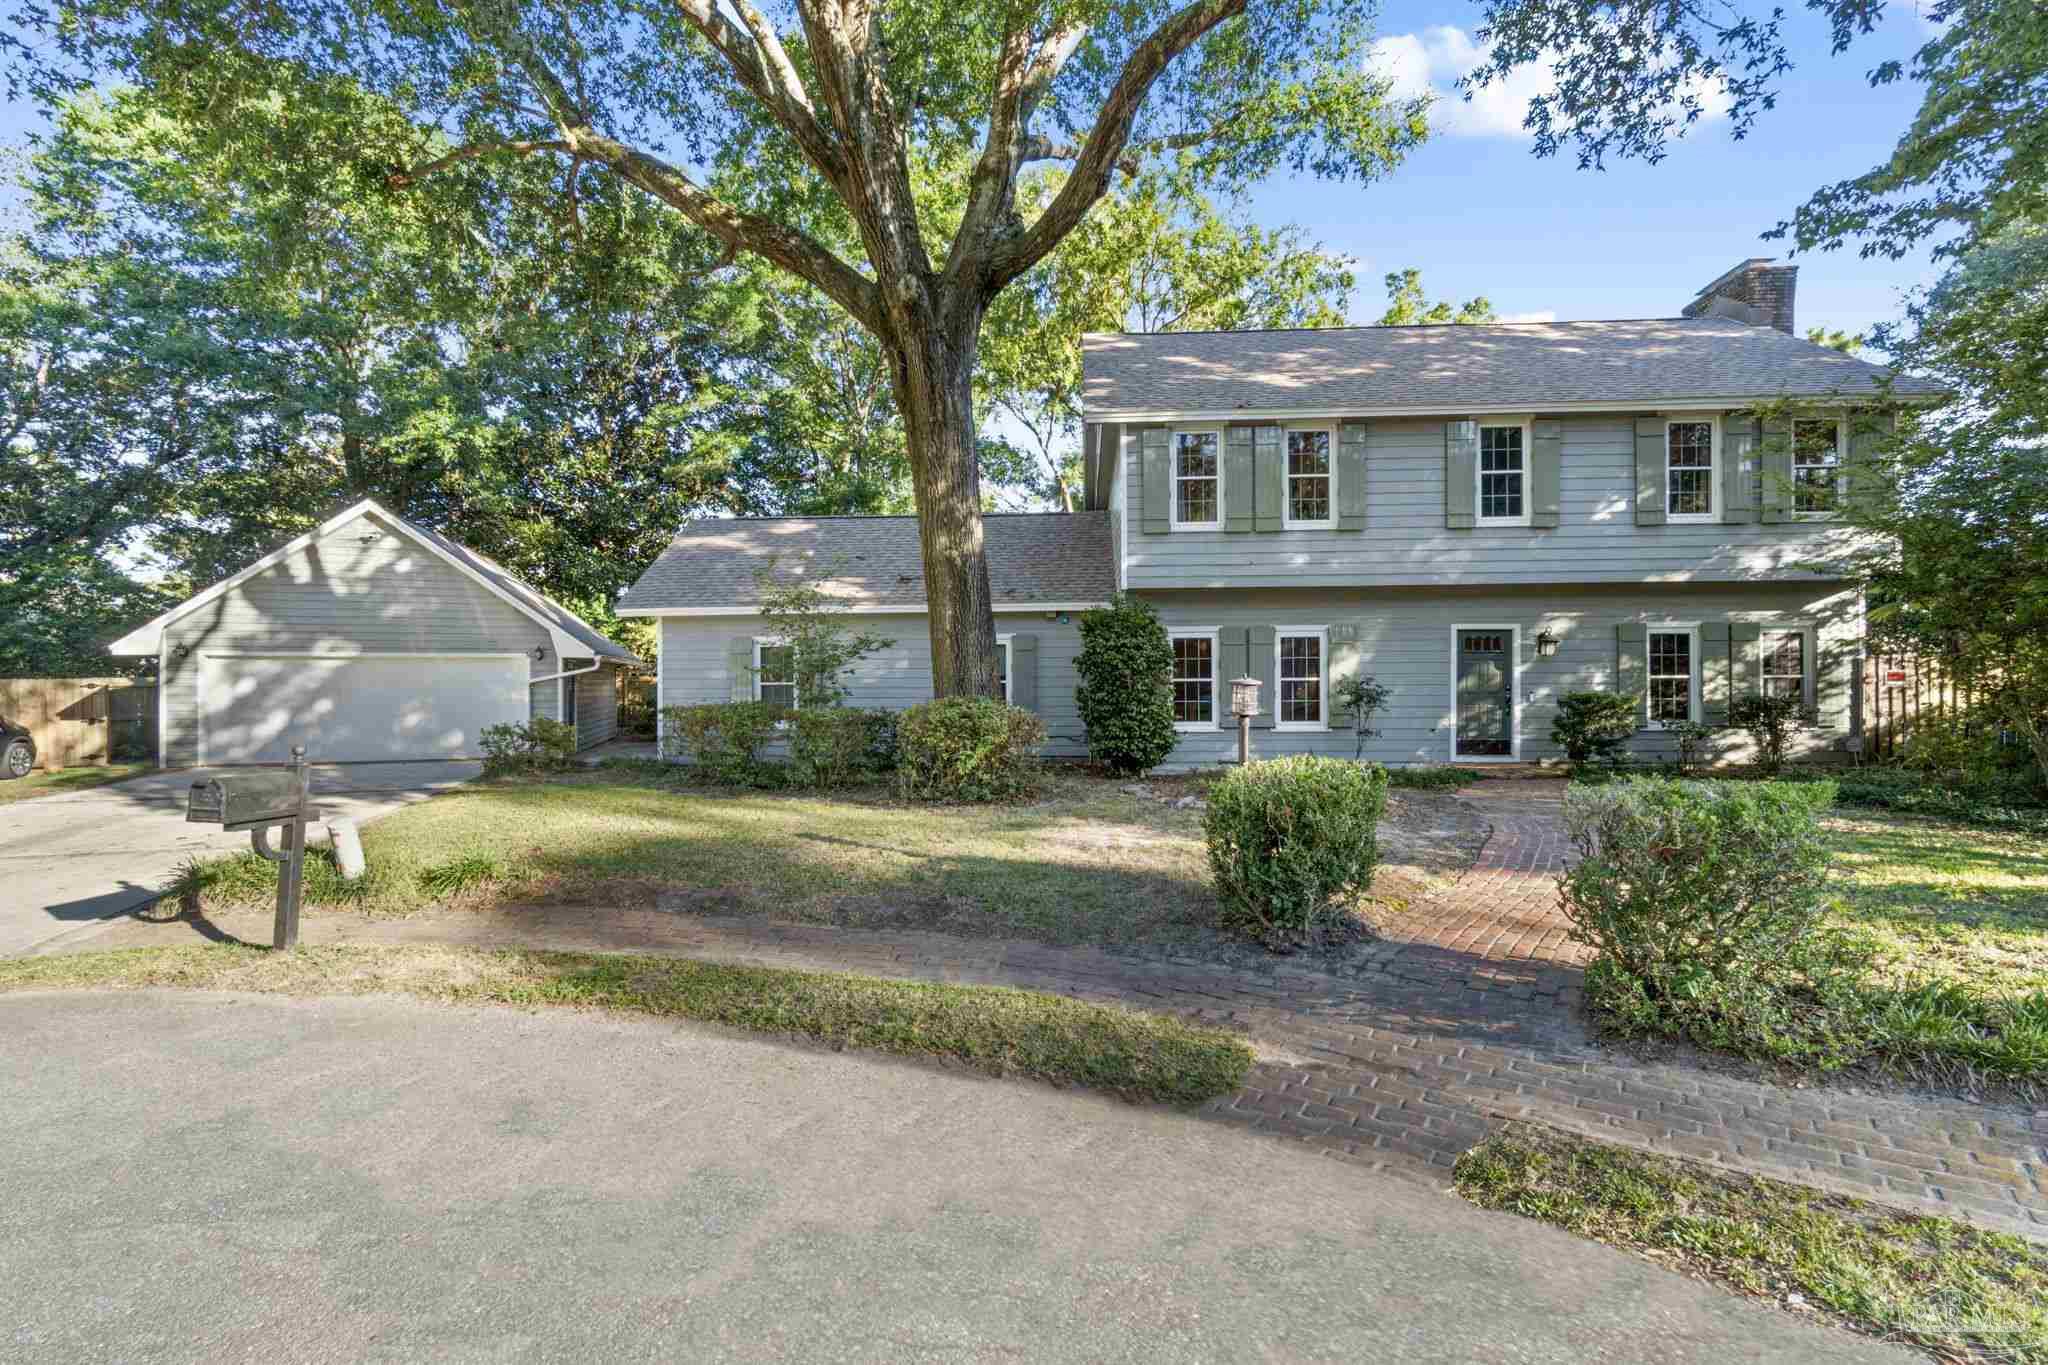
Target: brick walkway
1464,1017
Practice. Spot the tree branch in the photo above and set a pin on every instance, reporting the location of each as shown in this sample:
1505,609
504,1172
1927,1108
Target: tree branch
761,64
405,179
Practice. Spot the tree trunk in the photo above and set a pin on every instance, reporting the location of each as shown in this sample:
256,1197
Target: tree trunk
933,370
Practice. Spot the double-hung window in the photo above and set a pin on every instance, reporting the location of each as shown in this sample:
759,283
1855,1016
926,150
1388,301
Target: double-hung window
1003,669
1673,660
1311,478
775,673
1691,456
1816,466
1502,485
1198,479
1298,653
1784,664
1194,679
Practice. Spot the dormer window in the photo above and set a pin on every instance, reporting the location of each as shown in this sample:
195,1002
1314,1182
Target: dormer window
1817,454
1197,480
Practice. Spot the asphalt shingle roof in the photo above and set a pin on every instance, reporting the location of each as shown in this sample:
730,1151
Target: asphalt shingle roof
1447,368
874,561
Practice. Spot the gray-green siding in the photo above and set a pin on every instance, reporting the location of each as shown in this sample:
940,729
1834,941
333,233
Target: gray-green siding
1405,541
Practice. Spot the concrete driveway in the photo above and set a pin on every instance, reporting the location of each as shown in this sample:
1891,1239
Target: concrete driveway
70,861
233,1177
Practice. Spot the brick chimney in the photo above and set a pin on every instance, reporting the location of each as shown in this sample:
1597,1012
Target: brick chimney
1755,292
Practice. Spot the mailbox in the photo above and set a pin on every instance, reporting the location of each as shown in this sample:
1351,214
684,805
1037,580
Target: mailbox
245,800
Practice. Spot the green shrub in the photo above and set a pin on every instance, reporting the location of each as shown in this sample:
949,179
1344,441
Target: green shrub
1287,837
838,746
1126,690
539,746
1594,727
464,872
2013,803
1692,737
1770,721
724,739
1433,777
967,749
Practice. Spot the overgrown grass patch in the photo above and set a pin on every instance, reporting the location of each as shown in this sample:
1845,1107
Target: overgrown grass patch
993,1029
44,782
1961,1292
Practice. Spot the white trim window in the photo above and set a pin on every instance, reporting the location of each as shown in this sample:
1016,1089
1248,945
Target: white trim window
1692,466
1195,663
1818,457
1673,659
1501,484
1300,667
775,672
1311,478
1784,664
1003,669
1198,479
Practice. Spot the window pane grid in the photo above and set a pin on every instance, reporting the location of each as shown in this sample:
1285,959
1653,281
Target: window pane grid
1194,680
1689,453
1785,665
777,678
1301,679
1670,676
1500,472
1816,466
1194,476
1308,476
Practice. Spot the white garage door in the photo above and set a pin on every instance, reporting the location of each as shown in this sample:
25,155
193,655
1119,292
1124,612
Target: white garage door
254,707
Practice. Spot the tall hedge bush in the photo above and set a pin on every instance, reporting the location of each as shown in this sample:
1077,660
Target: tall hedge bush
724,739
1287,838
967,749
1126,690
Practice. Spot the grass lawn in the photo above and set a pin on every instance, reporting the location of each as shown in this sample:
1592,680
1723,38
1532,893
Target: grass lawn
1952,901
43,782
1960,1292
993,1029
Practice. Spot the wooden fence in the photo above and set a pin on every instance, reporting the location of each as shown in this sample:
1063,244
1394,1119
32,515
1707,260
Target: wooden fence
78,721
1897,691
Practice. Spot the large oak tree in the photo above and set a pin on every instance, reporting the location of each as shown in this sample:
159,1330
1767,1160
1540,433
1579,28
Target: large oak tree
757,121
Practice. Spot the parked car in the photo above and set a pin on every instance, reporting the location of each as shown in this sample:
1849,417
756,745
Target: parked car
17,750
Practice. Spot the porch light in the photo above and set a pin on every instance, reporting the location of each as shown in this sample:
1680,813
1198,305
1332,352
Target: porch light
539,652
1546,643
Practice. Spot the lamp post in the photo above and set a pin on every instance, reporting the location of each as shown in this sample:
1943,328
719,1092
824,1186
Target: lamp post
1244,704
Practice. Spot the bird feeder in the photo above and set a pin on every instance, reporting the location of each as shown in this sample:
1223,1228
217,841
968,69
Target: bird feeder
1244,704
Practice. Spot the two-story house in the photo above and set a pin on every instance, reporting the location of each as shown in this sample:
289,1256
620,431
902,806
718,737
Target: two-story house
1481,517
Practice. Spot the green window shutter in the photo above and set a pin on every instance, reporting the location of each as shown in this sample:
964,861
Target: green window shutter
1233,660
739,668
1714,668
1774,455
1738,467
1238,489
1260,666
1631,658
1745,658
1155,446
1546,467
1351,476
1024,671
1868,433
1270,476
1461,473
1344,658
1834,667
1649,471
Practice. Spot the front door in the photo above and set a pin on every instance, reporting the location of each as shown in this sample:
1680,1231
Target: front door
1486,693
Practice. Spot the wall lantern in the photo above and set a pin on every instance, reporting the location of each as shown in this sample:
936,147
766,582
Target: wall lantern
180,650
1546,643
540,653
1244,704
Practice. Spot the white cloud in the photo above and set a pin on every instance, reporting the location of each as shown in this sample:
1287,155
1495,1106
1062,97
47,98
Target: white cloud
1430,63
1540,315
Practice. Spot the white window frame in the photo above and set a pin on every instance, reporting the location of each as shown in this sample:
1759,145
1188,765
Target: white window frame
1716,494
1527,423
1514,753
1322,634
1841,425
1287,477
1174,479
1809,644
1213,634
1003,682
773,642
1690,629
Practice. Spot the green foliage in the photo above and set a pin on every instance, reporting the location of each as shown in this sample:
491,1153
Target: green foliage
1835,339
465,872
1595,727
539,745
835,746
967,749
2012,801
1287,838
1408,305
1691,737
1433,777
724,739
1770,721
823,639
1125,694
1364,696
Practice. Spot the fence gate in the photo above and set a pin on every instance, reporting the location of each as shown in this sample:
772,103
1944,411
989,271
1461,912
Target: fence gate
78,721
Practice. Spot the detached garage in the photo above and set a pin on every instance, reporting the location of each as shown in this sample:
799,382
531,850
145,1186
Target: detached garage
370,639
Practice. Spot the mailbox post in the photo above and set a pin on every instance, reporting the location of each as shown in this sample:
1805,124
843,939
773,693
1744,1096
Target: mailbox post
260,801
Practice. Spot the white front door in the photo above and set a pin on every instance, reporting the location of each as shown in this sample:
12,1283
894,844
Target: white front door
354,708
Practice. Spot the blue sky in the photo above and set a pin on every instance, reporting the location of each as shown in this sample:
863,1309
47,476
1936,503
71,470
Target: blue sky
1477,213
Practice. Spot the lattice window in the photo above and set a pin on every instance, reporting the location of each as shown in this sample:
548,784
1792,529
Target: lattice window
1197,484
1670,675
1501,473
1785,664
1194,680
1308,476
1689,472
1301,679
